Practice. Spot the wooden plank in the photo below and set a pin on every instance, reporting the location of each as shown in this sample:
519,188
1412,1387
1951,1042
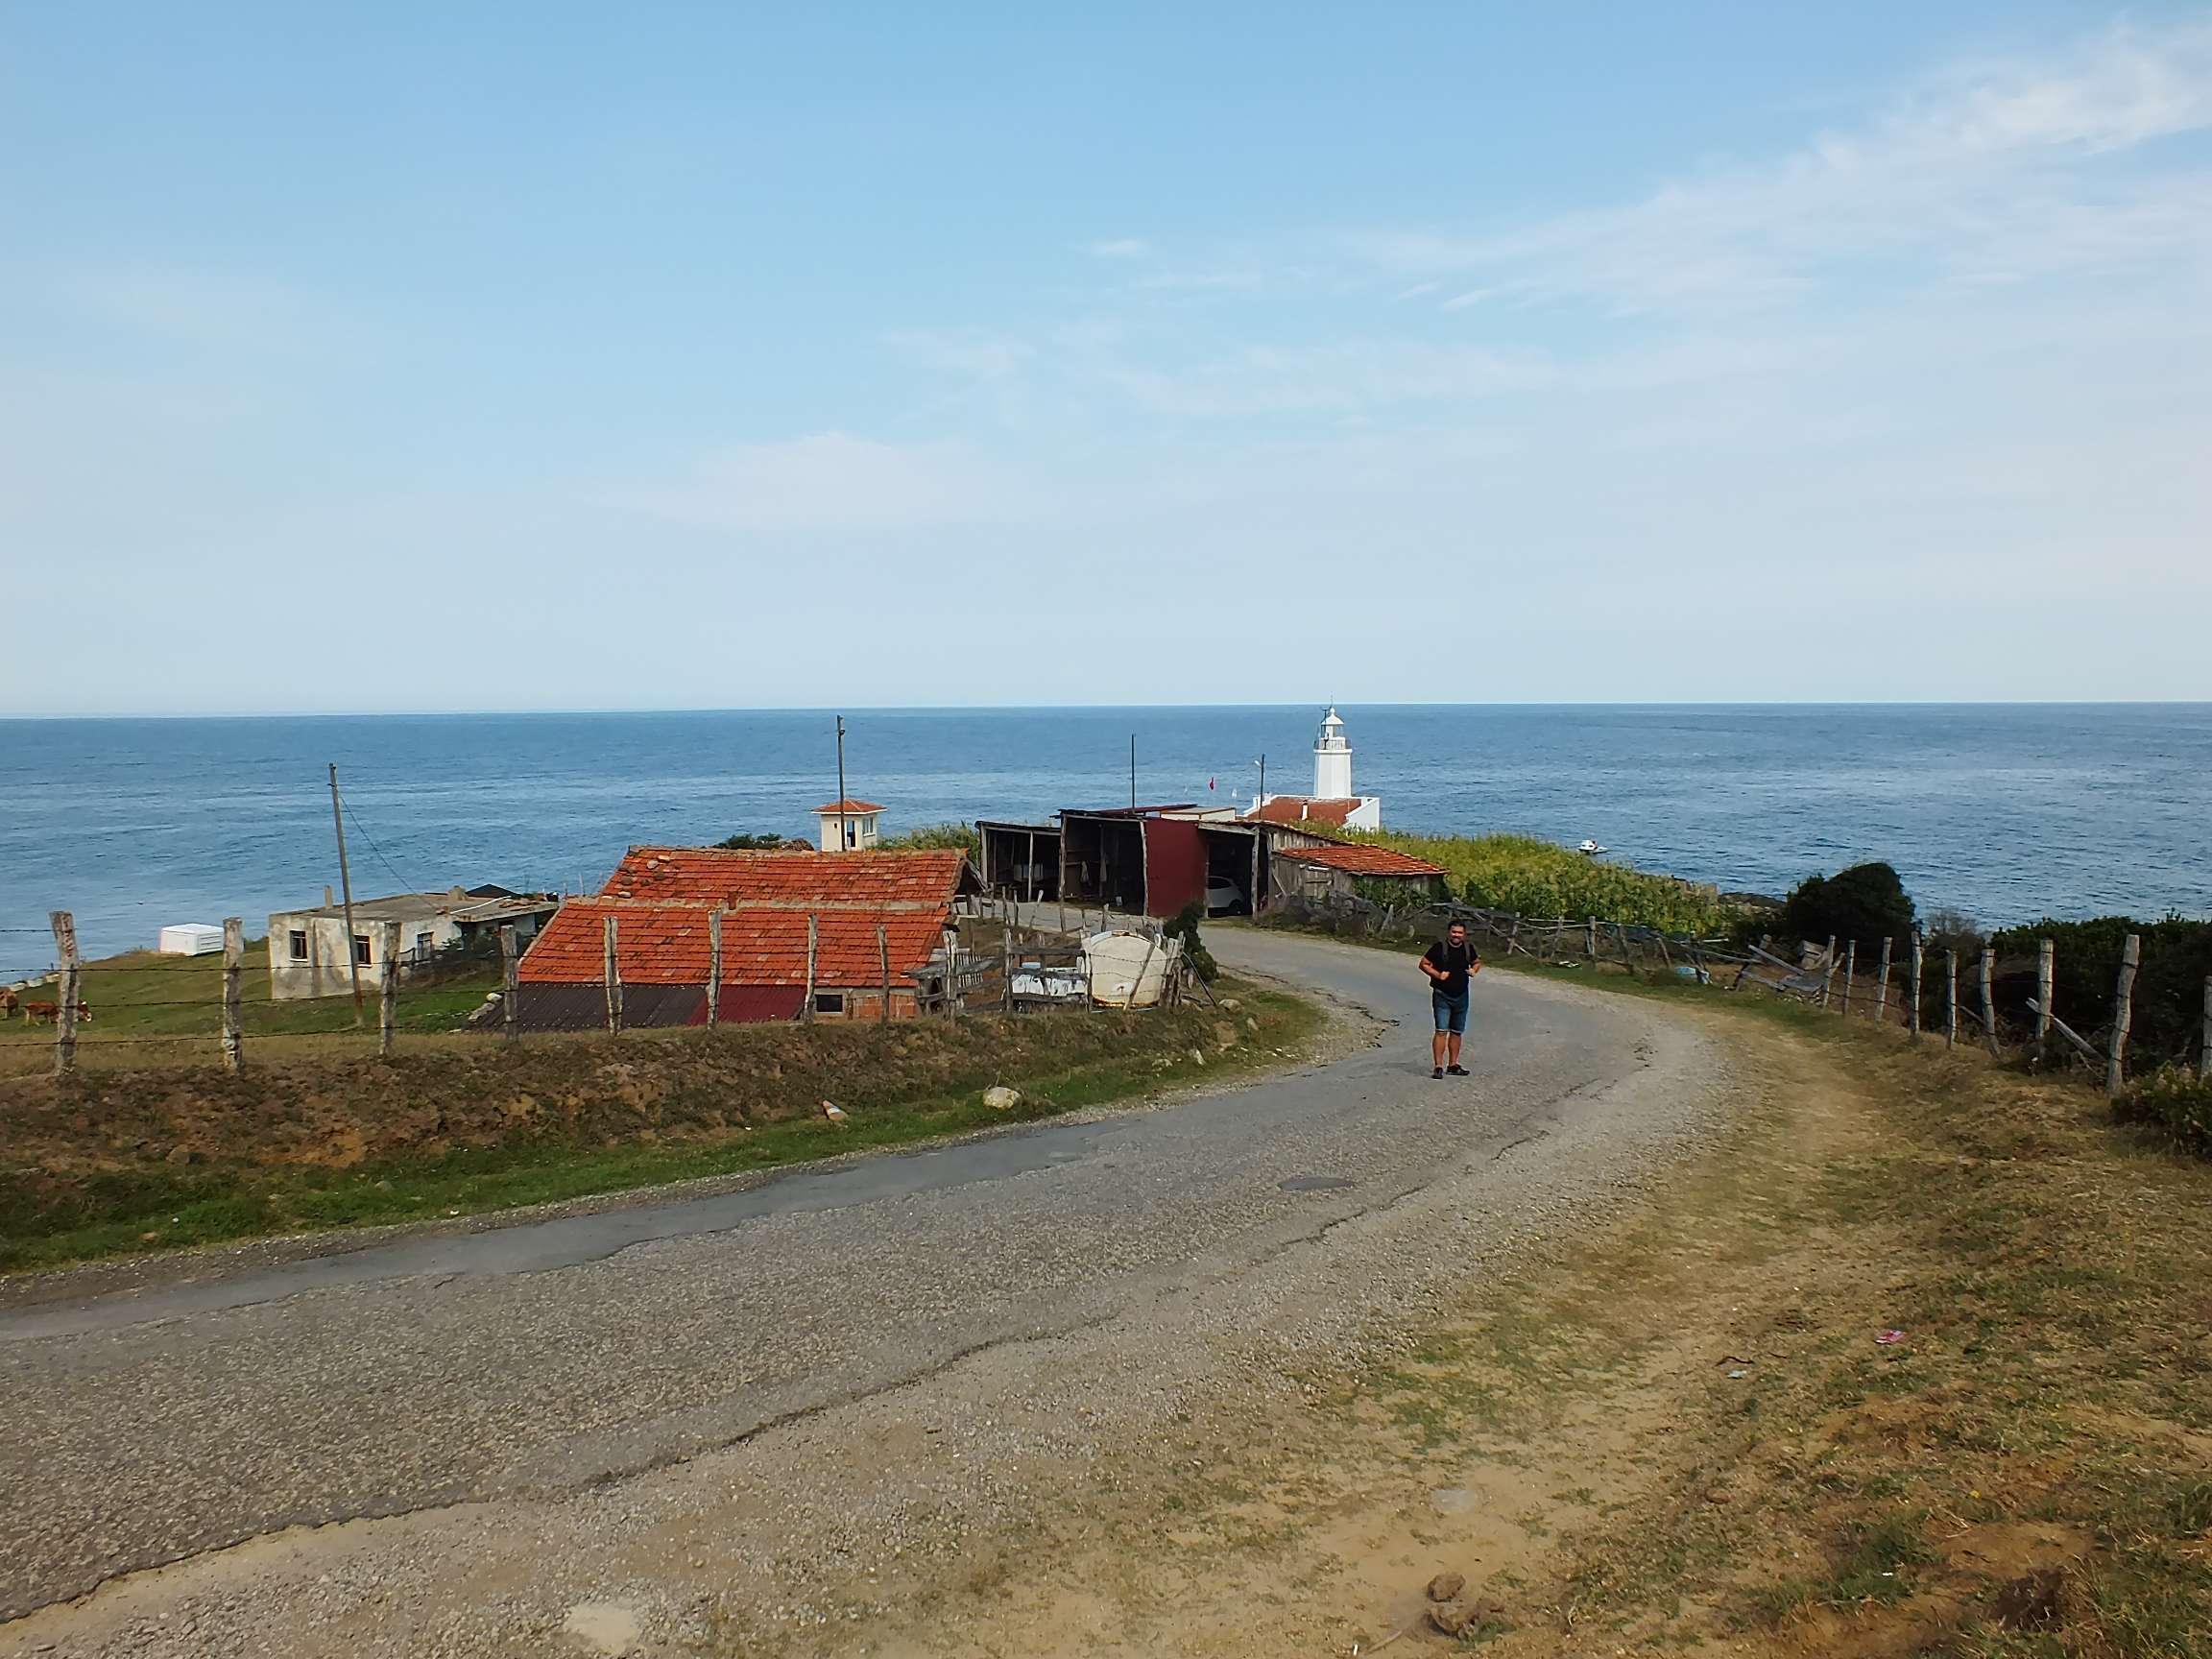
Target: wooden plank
714,968
69,992
1590,939
510,982
387,991
2123,1014
1850,973
611,973
234,993
2088,1049
813,953
1912,984
1990,1003
1882,985
1827,969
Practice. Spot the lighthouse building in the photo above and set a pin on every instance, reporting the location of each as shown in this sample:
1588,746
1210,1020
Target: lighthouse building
1334,803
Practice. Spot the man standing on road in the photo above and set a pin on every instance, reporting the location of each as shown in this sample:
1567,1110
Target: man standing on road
1449,963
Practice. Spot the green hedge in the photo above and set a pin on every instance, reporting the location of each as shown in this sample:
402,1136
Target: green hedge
1543,880
2169,1005
2174,1103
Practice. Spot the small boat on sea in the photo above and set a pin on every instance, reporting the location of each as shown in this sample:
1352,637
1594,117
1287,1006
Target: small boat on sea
1589,849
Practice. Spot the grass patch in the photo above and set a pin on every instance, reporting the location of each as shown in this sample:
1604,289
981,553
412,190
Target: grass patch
106,1165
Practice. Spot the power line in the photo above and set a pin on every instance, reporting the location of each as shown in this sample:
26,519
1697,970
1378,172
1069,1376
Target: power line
356,819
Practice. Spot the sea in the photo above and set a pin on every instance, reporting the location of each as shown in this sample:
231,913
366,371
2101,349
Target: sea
2005,812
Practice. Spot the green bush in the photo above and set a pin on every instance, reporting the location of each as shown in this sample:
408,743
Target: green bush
1542,879
2169,999
2172,1102
1184,927
1866,902
935,837
749,841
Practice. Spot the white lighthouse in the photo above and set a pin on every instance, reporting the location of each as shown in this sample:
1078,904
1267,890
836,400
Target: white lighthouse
1332,804
1331,760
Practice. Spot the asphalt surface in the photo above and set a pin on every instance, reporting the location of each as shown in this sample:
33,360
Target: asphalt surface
553,1358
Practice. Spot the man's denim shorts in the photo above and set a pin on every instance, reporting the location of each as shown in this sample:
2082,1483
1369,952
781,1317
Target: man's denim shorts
1451,1011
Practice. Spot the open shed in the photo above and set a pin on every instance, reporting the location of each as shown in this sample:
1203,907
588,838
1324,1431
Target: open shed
1154,860
1019,860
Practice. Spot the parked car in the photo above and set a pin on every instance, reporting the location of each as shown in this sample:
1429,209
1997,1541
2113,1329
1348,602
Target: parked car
1223,897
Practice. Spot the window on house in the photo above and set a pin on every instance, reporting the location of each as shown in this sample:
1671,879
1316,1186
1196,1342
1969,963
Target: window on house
422,944
828,1002
361,949
299,943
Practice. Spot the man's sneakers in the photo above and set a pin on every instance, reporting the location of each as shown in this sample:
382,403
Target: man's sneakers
1439,1073
1460,1071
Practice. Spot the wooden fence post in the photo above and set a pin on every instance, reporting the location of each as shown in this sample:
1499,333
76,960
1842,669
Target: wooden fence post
1949,998
233,992
510,982
813,951
1881,986
2123,1014
2046,979
2205,1042
388,988
1990,1003
1850,974
1590,939
714,966
1912,984
883,962
1828,970
611,972
1006,965
65,1010
1628,952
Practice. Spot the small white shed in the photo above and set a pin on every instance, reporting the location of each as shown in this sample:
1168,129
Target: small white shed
190,939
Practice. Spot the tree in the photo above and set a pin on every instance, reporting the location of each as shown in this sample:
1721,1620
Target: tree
745,842
1866,902
1184,927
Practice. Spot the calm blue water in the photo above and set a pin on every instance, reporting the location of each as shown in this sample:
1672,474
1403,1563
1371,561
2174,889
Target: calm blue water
2006,812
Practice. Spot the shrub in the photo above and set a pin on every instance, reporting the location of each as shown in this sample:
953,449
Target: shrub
933,837
2168,1004
1184,927
2174,1103
1542,879
749,841
1866,902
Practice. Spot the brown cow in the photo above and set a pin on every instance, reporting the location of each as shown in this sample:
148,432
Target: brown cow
8,1001
46,1013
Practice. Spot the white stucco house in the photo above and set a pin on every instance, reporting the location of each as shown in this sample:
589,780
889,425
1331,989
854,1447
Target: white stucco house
311,955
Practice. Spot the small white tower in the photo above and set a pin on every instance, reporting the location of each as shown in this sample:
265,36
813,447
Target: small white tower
1331,760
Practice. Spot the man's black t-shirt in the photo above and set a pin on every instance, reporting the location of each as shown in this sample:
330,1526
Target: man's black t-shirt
1453,961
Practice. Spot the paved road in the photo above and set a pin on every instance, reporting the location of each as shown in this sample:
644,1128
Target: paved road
542,1358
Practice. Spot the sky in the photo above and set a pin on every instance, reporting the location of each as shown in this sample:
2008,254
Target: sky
561,357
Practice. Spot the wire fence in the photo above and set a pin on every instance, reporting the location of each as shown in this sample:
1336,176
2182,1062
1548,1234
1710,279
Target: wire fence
2005,1004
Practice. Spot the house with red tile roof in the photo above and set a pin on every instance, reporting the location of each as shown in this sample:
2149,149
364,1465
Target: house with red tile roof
830,935
1332,804
849,826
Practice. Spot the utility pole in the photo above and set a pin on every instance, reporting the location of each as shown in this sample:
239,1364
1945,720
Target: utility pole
1131,771
843,834
345,887
1261,764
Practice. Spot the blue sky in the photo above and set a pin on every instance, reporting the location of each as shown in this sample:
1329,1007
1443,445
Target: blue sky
556,357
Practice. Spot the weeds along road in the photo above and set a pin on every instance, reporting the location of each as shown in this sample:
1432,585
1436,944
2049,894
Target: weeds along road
677,1400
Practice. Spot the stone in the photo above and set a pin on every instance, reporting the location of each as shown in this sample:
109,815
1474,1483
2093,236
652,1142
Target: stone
1198,1055
1001,1098
1251,1024
1452,1618
604,1626
1446,1586
1225,1034
833,1110
181,1154
1230,1005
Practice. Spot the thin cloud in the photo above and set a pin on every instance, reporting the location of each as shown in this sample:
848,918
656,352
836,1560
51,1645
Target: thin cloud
1120,247
2015,167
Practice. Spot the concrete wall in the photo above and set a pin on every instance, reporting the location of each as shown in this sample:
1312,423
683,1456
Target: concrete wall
324,972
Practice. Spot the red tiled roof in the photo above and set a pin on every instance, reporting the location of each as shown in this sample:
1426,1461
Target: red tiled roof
706,876
1362,860
1305,809
848,805
666,945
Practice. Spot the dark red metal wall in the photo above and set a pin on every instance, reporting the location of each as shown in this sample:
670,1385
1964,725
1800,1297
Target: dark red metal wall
1174,865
